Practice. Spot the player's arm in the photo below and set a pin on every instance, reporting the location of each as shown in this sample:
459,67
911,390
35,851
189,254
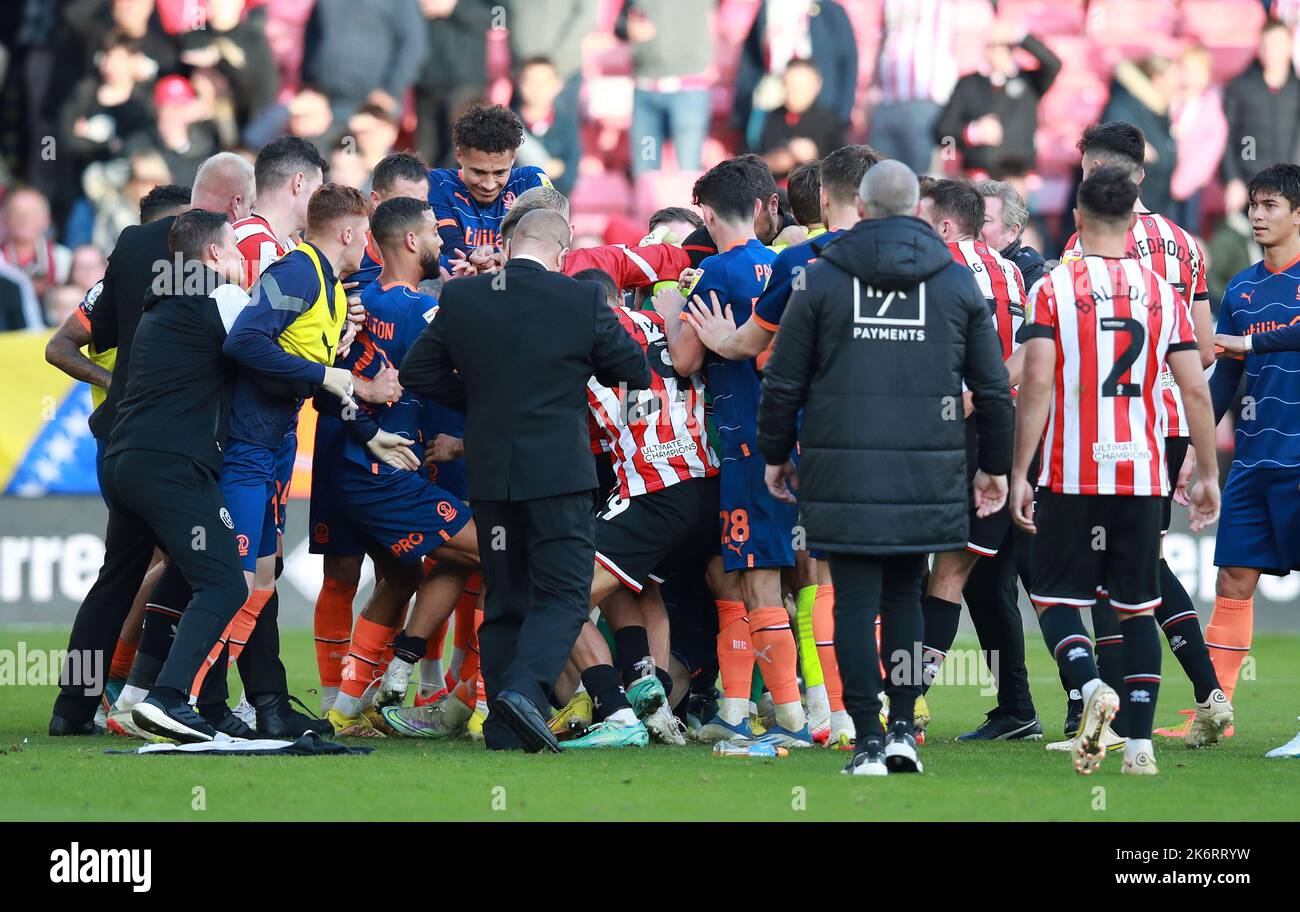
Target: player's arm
1016,366
717,329
786,378
1034,402
454,245
251,341
427,368
1184,362
1286,338
1225,377
684,347
616,356
64,350
1203,323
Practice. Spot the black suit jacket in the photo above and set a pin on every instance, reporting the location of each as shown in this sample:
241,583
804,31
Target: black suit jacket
513,352
140,254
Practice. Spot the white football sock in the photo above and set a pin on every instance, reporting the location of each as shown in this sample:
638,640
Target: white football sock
130,696
624,716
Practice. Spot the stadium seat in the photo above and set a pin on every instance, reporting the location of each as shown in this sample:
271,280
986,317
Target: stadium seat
607,193
1129,24
1229,29
658,189
1045,17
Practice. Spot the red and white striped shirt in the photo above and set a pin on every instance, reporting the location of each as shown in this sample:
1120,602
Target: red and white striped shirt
657,435
1173,254
1002,286
1113,321
258,245
917,58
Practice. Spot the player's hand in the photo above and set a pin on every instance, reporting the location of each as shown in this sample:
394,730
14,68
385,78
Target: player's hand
687,278
393,449
1185,477
669,303
339,382
791,236
1229,346
967,403
1022,503
460,265
356,313
482,256
990,493
345,340
782,481
443,448
1204,506
713,322
382,390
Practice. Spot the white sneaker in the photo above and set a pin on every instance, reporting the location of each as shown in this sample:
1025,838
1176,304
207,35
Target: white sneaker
868,762
1210,720
1112,741
245,711
1097,713
843,734
1290,749
1141,762
120,723
665,727
394,684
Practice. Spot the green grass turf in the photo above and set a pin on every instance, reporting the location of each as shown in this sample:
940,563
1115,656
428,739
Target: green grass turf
43,778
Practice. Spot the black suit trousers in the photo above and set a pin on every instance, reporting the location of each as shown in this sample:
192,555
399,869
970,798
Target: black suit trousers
537,557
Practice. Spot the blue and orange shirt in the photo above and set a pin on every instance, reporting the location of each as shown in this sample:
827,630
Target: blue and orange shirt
789,261
738,275
396,314
463,222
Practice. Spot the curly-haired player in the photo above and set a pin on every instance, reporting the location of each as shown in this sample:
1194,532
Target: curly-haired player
470,201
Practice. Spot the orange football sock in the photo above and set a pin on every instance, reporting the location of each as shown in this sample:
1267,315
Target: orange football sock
1228,638
735,653
777,652
240,625
333,629
366,657
123,657
823,619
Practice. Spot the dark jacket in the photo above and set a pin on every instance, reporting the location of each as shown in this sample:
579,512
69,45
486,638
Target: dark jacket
1270,120
874,351
177,400
352,47
457,47
1127,107
131,270
1029,261
513,353
1015,103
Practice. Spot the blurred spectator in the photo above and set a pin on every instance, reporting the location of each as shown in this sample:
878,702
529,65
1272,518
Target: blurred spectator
553,29
346,166
1141,94
27,243
232,48
915,74
35,84
374,131
106,109
182,134
20,308
551,140
672,59
800,130
993,114
59,304
88,265
1232,249
454,73
1201,130
1262,105
784,30
91,20
358,51
116,188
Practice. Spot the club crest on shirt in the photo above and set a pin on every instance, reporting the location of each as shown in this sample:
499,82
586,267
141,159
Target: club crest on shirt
225,518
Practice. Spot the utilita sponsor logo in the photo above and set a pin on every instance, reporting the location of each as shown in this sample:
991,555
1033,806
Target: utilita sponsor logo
75,865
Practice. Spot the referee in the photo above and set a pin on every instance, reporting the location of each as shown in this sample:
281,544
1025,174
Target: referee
162,464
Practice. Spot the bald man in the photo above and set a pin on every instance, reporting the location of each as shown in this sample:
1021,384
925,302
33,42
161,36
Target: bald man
513,353
224,183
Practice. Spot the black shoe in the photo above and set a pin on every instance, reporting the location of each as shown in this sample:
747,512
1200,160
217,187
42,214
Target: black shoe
900,749
219,716
868,760
1002,726
278,720
174,721
1073,713
522,717
62,728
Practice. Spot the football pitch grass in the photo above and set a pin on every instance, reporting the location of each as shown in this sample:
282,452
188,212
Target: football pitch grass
43,778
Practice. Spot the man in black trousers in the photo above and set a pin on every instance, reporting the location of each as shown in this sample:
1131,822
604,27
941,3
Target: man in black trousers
224,184
513,352
162,466
874,352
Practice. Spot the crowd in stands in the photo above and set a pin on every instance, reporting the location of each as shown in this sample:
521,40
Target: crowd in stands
624,102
